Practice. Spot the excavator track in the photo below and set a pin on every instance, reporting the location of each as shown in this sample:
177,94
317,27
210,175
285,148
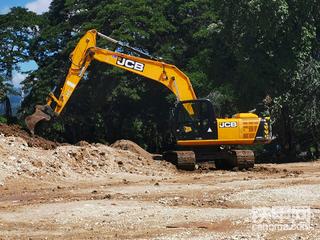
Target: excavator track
227,160
243,159
184,160
236,159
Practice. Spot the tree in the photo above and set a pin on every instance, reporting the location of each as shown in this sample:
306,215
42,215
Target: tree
18,27
297,110
235,52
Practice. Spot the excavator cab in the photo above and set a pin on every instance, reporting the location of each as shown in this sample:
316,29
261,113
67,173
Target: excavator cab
201,124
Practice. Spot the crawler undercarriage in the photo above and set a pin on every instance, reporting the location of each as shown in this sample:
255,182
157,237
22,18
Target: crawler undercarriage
231,159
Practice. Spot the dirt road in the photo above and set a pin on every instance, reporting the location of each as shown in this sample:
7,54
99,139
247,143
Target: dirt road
119,192
182,205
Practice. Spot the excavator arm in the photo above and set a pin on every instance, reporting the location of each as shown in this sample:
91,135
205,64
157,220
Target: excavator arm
86,51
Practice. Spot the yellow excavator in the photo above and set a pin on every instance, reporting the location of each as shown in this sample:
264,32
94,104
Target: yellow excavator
201,136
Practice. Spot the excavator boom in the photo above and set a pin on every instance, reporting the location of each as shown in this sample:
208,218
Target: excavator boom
87,51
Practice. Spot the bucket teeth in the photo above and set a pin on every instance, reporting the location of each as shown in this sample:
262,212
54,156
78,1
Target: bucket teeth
39,115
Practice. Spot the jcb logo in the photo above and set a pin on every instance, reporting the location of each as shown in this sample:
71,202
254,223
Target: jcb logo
228,125
130,64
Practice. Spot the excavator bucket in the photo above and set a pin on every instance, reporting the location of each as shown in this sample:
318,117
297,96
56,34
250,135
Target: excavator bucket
39,115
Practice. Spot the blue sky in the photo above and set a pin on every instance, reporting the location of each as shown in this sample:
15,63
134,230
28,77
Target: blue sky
9,3
6,4
38,6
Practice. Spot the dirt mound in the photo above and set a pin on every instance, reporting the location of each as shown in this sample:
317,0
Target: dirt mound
32,141
18,159
132,147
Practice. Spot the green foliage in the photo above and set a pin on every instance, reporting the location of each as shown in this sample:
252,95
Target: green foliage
223,101
17,28
236,53
3,120
5,88
300,105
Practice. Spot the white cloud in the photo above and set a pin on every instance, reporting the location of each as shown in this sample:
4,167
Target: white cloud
39,6
17,78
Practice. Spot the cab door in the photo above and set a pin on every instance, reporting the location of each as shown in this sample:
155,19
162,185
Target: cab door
195,119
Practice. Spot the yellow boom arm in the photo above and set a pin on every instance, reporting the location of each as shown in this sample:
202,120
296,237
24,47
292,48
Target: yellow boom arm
86,51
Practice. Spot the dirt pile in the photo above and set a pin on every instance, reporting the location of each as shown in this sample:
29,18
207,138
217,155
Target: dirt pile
31,141
132,147
17,158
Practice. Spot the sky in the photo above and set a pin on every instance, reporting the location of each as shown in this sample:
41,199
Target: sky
38,6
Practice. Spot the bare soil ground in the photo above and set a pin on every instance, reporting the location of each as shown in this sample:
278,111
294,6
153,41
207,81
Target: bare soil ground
103,192
31,141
